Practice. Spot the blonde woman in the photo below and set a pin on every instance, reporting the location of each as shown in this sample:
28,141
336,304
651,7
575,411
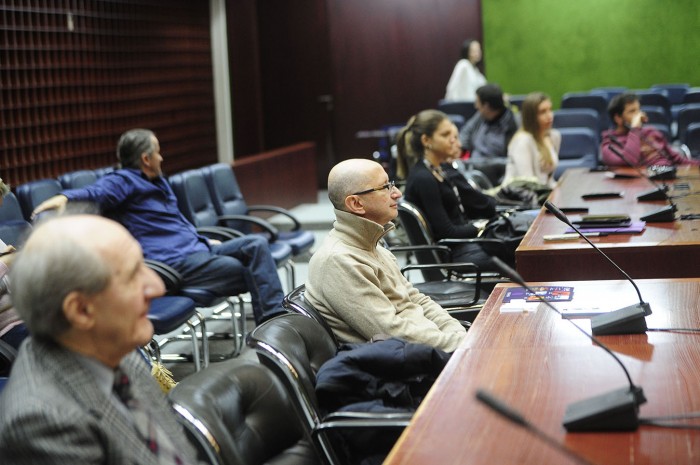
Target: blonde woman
533,153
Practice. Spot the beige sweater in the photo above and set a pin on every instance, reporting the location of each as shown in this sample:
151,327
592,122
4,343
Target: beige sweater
358,287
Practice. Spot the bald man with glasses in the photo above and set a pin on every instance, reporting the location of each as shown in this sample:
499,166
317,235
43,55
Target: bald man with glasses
357,284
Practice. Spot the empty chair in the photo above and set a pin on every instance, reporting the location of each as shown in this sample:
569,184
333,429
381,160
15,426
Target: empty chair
238,413
77,179
579,148
294,347
31,194
692,139
676,92
463,108
195,202
13,227
577,118
597,102
516,100
692,96
687,114
609,92
168,313
228,200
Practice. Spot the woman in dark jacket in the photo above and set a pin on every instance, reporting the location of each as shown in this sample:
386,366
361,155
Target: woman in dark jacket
448,202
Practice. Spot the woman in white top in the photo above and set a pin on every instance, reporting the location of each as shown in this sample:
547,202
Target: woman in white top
533,152
466,77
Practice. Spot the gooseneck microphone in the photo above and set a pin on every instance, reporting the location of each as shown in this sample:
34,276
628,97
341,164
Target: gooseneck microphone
627,320
510,414
663,215
617,410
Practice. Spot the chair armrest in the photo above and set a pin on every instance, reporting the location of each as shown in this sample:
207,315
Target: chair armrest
279,210
443,250
219,232
262,224
170,276
462,268
345,420
476,240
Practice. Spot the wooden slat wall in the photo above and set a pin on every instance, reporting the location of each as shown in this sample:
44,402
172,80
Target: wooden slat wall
75,74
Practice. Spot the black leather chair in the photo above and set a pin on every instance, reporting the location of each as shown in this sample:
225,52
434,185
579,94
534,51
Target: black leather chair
296,302
238,413
294,347
458,287
228,200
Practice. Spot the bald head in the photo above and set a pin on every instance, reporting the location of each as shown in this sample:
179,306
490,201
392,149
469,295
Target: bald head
63,254
353,175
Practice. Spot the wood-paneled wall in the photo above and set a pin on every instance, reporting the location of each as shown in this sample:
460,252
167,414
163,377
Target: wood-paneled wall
75,74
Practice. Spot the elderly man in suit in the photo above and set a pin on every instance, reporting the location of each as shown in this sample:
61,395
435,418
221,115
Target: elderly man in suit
79,391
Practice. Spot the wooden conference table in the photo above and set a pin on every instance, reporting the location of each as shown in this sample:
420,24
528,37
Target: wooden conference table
662,250
538,363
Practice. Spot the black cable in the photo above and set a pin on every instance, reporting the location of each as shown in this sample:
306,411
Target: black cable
668,425
680,330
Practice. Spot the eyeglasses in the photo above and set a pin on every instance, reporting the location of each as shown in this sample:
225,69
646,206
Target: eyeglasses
388,186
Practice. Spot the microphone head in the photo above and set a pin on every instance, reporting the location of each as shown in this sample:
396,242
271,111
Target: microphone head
553,209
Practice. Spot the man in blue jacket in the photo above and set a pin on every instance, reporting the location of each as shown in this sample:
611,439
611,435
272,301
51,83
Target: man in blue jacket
139,197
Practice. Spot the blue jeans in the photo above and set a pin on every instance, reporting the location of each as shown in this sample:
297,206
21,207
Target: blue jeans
236,266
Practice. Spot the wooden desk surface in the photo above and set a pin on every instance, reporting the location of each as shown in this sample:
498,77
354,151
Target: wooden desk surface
663,250
539,363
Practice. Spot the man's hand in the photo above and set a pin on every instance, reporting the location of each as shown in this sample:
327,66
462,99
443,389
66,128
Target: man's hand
56,202
639,119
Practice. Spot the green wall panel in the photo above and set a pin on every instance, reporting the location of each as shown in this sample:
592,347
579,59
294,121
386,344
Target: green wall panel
559,46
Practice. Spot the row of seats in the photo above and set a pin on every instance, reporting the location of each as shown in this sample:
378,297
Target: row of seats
211,199
245,413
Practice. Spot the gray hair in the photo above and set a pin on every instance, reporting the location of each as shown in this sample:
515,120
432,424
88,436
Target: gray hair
132,144
4,188
52,264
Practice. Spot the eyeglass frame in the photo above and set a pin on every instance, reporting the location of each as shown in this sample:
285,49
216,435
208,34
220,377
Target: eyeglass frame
388,186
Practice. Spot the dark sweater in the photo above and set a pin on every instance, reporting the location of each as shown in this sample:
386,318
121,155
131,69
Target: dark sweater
440,205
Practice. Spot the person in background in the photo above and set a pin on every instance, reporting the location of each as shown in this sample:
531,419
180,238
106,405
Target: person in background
639,145
466,76
12,330
533,152
355,283
139,197
448,209
487,134
80,392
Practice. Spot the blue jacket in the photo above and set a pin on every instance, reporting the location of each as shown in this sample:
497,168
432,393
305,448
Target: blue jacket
148,209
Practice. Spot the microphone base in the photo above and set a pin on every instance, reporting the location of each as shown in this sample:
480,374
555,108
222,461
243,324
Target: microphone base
613,411
661,173
627,320
662,215
654,194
